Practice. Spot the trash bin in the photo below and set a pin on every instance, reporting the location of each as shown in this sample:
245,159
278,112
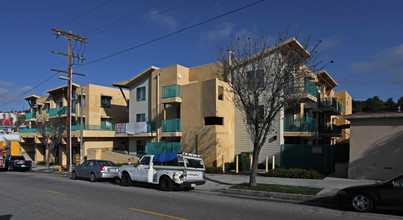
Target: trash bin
244,160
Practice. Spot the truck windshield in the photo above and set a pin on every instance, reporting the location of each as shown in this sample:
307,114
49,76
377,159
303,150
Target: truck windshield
194,163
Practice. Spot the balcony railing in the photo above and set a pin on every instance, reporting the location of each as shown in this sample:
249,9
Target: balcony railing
299,124
171,125
30,115
331,103
307,88
163,147
330,130
171,91
60,111
74,128
121,128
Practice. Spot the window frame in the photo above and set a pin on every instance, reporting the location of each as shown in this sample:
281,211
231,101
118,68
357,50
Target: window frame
107,103
140,94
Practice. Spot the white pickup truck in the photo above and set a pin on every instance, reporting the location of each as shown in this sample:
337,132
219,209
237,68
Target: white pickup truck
169,170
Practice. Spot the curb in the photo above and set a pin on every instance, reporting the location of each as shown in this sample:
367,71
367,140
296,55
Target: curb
52,172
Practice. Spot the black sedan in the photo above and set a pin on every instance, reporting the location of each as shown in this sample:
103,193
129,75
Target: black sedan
388,194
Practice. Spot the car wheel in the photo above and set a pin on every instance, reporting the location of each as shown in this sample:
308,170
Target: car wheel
361,203
126,181
93,178
165,183
74,175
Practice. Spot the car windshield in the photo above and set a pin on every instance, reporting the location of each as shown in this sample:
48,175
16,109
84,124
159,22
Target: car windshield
18,158
106,163
386,181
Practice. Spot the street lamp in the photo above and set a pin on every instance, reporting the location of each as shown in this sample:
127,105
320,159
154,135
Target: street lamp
81,121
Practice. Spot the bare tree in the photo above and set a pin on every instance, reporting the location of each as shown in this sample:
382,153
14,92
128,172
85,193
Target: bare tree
264,75
51,130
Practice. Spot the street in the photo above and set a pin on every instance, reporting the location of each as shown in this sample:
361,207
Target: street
29,195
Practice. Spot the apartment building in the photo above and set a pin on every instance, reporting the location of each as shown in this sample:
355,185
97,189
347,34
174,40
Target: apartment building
102,108
190,109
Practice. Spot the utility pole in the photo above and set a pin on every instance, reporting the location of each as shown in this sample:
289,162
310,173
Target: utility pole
70,37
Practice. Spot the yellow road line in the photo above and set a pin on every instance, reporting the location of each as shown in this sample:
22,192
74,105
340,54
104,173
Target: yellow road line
154,213
55,192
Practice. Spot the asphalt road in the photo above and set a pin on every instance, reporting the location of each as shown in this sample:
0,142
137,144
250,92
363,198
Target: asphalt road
28,195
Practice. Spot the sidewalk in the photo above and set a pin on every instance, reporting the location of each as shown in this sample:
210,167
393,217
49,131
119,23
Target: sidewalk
221,183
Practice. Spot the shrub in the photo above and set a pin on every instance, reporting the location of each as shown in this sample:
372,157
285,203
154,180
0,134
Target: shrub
41,163
295,173
213,169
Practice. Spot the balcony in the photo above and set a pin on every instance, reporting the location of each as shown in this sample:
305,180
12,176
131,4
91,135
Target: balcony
30,115
163,147
332,131
60,111
299,124
171,125
73,128
171,93
135,128
331,106
28,130
304,92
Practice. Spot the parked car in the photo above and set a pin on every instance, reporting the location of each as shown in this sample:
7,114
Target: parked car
17,163
95,170
388,194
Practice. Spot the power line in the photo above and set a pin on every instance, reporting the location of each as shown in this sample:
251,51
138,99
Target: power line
173,33
140,45
32,89
121,19
140,19
86,13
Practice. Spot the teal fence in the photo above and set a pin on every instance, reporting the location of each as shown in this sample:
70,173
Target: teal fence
299,124
74,128
305,156
307,88
171,125
28,130
171,91
163,147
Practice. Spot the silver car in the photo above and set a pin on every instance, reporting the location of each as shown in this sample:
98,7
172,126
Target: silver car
95,170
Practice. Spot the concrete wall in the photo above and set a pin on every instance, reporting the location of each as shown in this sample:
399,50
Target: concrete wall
103,154
346,100
139,107
375,148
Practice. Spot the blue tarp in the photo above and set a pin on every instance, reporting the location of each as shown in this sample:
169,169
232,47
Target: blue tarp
165,157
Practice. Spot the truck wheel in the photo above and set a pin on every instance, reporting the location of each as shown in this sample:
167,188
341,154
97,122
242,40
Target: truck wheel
165,183
11,168
126,181
93,178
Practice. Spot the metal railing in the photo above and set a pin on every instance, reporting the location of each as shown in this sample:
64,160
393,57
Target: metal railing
171,91
330,130
171,125
30,115
331,103
307,87
163,147
74,128
299,124
150,128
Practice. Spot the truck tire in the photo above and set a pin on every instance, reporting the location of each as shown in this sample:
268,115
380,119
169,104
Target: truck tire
165,183
126,181
11,168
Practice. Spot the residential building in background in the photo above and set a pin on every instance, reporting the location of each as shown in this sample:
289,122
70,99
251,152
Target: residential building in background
102,108
186,109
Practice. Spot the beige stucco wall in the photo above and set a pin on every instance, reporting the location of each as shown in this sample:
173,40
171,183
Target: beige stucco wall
375,148
346,100
213,141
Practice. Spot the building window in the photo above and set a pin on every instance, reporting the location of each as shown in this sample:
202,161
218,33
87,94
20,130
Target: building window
83,97
255,79
141,94
47,107
213,120
106,123
220,93
140,117
40,109
105,102
141,147
259,113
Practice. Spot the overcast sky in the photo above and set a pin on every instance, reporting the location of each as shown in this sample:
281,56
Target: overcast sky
364,38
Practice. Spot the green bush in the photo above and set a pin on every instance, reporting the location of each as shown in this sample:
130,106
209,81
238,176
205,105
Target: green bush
295,173
213,169
41,163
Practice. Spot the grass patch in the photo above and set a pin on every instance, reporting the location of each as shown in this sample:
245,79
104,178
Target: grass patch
279,188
